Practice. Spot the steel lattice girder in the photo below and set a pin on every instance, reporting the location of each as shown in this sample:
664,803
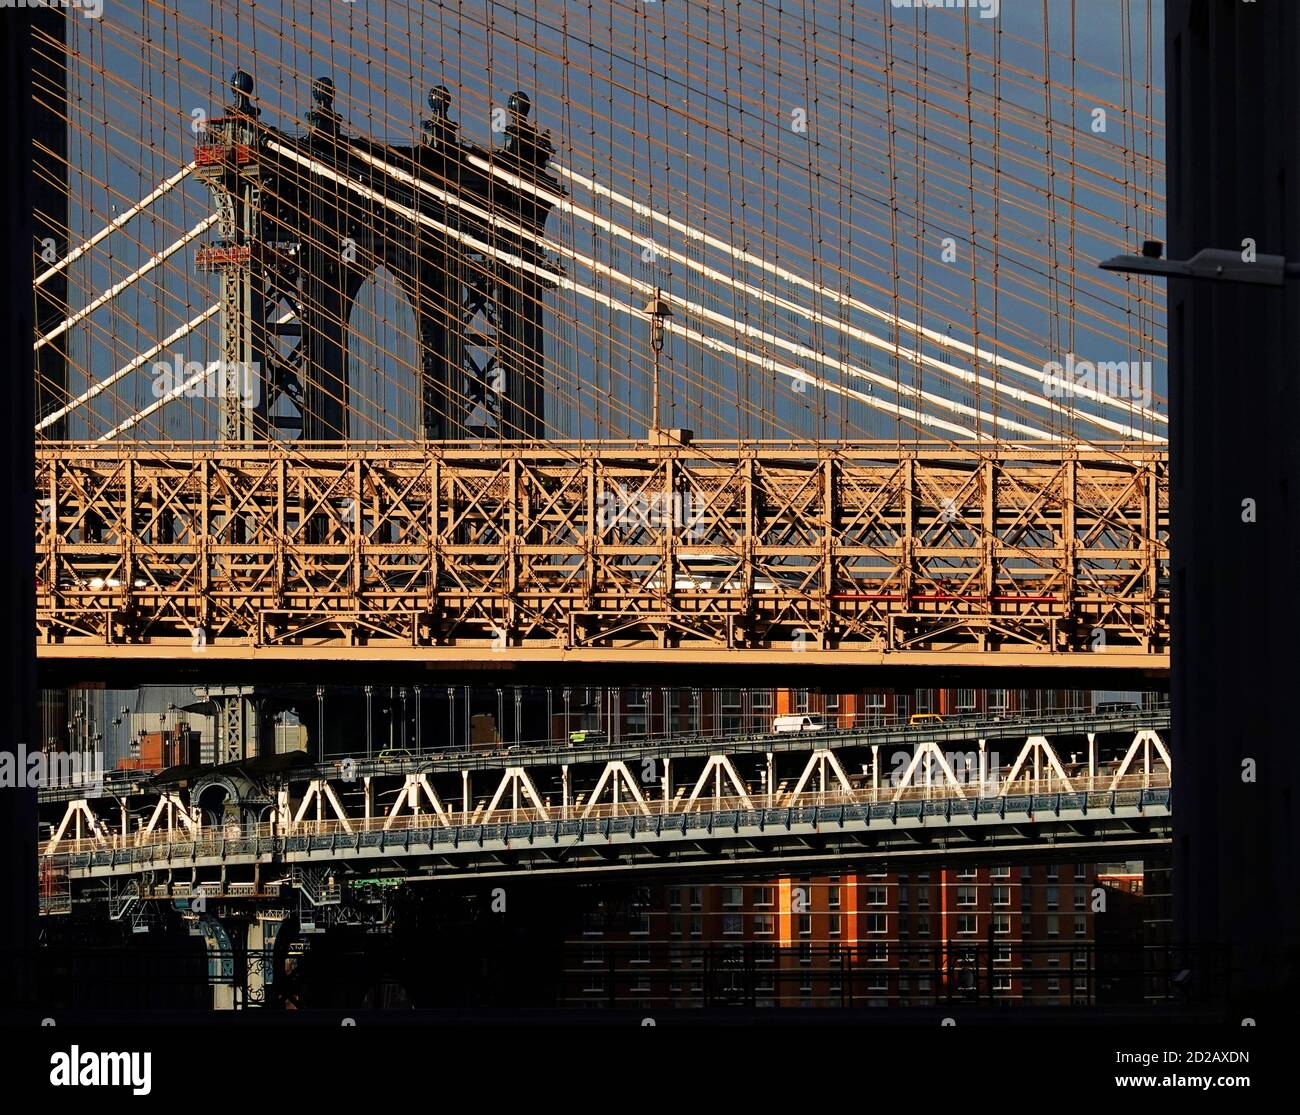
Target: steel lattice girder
605,551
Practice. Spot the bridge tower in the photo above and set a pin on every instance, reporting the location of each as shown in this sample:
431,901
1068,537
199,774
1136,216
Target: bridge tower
306,220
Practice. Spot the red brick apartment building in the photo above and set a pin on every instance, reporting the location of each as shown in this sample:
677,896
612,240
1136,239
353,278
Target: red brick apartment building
633,712
1040,934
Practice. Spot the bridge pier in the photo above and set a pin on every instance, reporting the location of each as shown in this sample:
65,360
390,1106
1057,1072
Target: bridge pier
221,960
260,953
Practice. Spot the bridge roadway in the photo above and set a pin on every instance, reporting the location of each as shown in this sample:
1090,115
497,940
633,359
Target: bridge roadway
808,799
604,553
949,729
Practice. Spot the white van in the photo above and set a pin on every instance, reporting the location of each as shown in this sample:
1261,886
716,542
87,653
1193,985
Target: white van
801,723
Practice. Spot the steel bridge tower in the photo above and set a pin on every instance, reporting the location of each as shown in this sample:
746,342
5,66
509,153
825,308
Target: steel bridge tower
305,220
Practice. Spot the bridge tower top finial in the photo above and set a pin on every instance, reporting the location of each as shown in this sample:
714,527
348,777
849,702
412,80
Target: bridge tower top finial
322,117
241,81
439,131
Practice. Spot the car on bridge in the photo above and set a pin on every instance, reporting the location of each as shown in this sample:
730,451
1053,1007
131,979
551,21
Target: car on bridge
587,735
396,755
800,723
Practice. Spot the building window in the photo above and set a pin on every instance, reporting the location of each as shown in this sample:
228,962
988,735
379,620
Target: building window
1053,898
877,896
833,897
1002,924
764,924
696,898
732,708
1001,954
833,925
877,952
805,925
763,896
1002,895
675,898
731,925
675,925
1081,926
923,925
965,700
636,720
1053,925
874,709
697,926
1000,873
877,923
967,924
965,896
733,896
999,701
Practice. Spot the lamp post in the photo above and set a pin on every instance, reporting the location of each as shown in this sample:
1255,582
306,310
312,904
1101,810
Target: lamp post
1212,264
451,715
657,309
370,690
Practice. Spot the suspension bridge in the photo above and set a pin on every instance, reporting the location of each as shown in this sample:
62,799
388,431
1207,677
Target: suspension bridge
540,340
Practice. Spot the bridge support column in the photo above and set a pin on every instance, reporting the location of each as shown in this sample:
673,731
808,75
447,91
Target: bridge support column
221,961
465,800
261,956
564,791
668,784
1092,760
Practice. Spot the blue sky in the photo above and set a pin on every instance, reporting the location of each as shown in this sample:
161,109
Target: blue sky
688,108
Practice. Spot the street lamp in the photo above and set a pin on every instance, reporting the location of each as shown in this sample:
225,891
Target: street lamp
451,715
1218,264
658,310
